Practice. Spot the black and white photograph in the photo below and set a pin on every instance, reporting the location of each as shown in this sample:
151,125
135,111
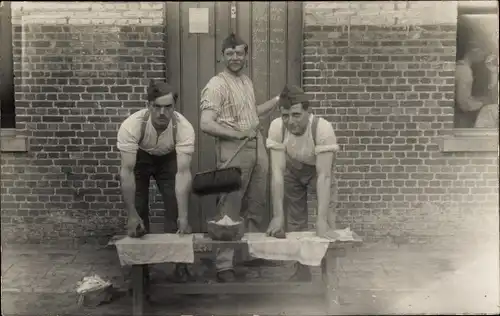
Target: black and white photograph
264,158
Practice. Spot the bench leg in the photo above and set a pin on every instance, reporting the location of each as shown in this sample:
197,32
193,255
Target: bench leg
330,282
137,290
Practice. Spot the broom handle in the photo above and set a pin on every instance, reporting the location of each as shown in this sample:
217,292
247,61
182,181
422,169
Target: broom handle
243,143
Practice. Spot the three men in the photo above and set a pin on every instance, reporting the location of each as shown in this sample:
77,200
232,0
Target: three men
156,142
229,113
302,153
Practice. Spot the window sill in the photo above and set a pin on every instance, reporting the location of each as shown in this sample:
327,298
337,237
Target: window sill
470,140
12,141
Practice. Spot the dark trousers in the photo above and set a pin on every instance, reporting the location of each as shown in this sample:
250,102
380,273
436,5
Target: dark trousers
163,169
297,179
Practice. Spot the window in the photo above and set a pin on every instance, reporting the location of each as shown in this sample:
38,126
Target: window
7,100
476,97
476,80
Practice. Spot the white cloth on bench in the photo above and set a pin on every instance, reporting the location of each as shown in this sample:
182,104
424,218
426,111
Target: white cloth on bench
155,248
304,247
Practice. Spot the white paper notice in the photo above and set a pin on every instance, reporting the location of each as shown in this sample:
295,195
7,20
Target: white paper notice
198,20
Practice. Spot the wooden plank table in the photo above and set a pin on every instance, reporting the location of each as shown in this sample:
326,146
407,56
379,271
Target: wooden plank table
327,286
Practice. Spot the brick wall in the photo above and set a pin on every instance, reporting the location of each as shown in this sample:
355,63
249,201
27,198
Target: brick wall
81,68
383,74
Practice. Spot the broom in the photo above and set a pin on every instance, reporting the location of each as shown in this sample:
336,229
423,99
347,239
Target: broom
220,180
223,179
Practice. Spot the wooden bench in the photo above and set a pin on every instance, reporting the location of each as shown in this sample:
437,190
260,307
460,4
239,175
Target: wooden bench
327,287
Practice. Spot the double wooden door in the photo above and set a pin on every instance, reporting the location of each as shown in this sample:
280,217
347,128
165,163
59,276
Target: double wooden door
273,31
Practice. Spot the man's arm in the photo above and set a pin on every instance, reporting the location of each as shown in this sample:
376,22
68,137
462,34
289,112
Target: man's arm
209,125
127,182
267,106
324,162
278,164
465,100
183,184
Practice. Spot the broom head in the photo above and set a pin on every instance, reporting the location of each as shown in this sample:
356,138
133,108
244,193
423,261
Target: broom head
218,181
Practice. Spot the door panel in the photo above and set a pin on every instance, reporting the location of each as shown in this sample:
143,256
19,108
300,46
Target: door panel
273,31
207,60
189,90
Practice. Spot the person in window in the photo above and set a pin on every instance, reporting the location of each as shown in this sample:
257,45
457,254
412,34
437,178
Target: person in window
302,148
230,114
488,115
470,97
157,142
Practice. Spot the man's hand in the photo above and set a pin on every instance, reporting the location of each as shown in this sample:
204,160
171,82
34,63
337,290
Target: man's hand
325,229
322,228
135,227
249,133
491,63
276,227
183,225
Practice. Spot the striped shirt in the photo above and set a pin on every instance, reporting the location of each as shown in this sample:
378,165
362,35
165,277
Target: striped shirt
233,100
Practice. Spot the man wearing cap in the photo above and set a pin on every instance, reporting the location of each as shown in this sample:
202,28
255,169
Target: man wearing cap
229,113
156,142
302,148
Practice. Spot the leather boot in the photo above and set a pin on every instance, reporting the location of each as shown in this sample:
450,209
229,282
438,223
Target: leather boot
302,274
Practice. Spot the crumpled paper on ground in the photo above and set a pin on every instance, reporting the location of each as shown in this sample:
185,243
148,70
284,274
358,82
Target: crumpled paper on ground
155,248
91,283
304,247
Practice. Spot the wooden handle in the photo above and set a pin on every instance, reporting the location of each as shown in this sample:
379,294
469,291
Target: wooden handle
243,143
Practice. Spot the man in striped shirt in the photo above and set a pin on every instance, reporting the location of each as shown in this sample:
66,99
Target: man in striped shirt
229,113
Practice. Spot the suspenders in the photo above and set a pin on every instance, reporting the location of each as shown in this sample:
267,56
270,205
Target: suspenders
314,128
174,127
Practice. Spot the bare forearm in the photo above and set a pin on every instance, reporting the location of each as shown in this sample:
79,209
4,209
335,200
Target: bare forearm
267,106
324,194
182,191
127,180
468,103
217,130
277,192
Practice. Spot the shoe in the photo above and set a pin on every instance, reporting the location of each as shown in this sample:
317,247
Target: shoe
302,274
226,276
181,274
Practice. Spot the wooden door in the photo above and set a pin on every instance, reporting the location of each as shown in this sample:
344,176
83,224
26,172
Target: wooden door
273,31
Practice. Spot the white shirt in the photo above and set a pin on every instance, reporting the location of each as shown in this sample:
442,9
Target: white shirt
301,147
129,135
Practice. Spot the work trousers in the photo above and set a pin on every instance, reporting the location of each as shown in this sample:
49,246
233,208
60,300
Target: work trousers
250,202
297,178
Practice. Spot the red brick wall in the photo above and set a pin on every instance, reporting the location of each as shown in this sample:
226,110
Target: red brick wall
383,74
80,68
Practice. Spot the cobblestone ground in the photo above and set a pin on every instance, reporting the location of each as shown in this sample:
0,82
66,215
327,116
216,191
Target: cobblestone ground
375,279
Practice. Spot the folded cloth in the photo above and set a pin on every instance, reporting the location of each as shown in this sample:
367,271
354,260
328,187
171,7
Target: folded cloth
304,247
155,248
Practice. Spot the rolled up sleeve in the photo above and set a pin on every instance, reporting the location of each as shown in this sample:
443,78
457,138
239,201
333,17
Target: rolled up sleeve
326,141
127,140
275,139
212,96
185,138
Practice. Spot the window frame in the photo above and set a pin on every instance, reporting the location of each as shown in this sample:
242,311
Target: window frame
472,139
11,138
